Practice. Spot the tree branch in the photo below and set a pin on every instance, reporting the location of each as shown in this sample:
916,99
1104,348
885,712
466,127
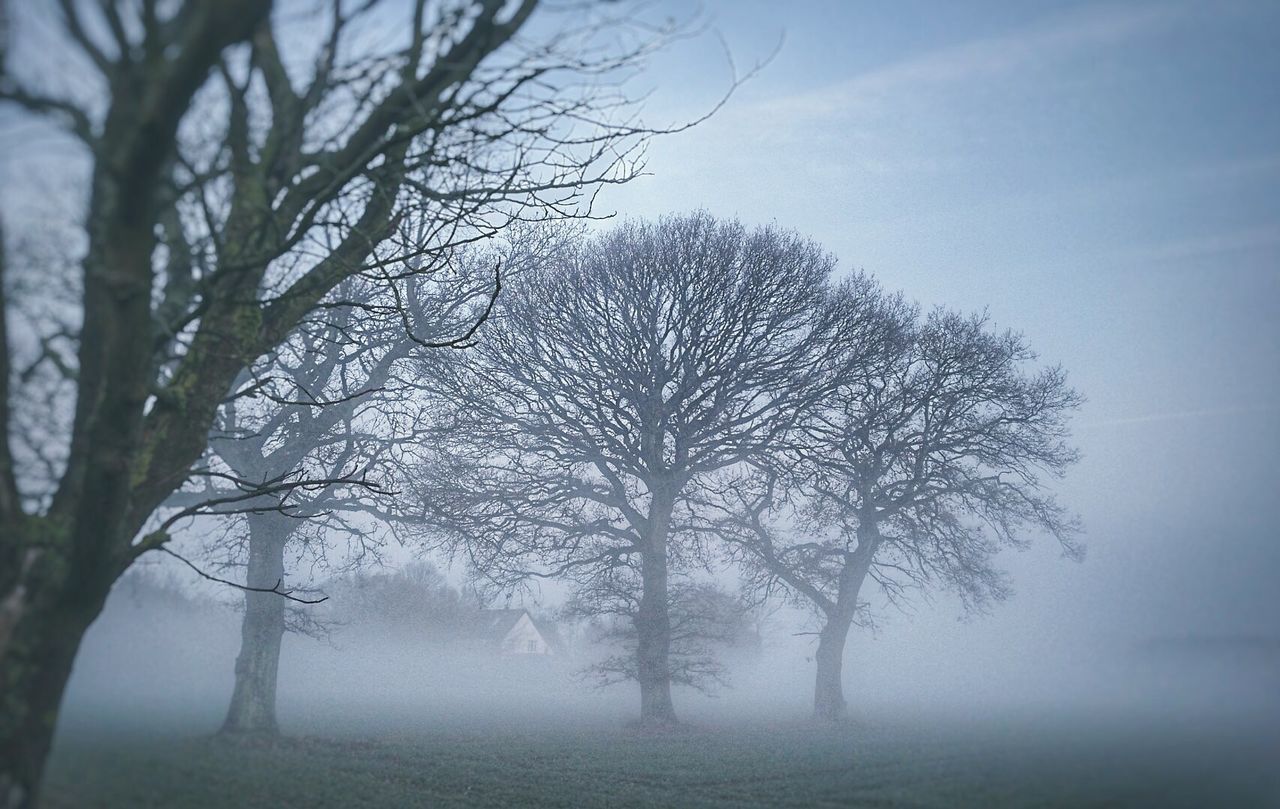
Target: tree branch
275,588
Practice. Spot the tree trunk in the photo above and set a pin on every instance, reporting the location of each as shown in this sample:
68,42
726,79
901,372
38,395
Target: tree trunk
253,702
828,692
653,622
46,616
71,556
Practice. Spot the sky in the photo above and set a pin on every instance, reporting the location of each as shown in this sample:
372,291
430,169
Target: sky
1103,177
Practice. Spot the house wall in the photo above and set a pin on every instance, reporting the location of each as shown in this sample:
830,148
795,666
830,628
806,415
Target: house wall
524,638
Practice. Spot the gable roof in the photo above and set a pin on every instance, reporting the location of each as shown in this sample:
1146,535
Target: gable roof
494,625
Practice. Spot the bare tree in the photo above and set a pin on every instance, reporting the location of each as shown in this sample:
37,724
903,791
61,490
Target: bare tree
332,414
332,430
236,176
932,454
611,390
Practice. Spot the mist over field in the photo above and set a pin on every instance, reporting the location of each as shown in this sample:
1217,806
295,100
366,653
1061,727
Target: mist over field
173,666
1176,721
169,671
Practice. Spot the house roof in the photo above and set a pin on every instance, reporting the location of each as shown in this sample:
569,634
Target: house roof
494,625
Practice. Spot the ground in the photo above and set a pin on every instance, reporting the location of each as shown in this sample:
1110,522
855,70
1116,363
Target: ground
864,763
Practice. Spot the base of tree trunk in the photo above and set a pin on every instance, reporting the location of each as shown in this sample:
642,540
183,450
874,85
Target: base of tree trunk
657,722
655,726
248,738
657,711
249,725
233,732
829,704
831,717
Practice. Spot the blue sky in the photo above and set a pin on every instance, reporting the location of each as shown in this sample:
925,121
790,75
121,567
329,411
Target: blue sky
1104,177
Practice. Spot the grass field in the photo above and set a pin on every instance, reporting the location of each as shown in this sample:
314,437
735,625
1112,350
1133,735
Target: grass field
774,765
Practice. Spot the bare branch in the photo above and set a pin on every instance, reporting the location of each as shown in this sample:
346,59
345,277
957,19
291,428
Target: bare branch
274,589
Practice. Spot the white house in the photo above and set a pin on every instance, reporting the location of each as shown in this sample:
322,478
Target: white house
514,632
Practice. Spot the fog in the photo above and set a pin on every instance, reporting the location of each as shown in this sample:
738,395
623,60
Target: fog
1195,714
145,667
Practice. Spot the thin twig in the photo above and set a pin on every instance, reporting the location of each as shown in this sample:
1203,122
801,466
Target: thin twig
273,589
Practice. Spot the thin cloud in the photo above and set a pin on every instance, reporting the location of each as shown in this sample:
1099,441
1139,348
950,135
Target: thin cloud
1213,244
988,57
1184,414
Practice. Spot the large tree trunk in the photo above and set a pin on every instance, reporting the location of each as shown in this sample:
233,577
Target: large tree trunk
45,617
653,622
828,691
253,702
82,544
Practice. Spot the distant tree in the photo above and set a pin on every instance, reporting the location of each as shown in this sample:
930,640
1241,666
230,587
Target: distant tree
236,177
146,588
417,599
928,457
610,391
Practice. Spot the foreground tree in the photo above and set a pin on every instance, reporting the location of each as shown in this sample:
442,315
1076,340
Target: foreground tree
929,457
611,392
235,179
